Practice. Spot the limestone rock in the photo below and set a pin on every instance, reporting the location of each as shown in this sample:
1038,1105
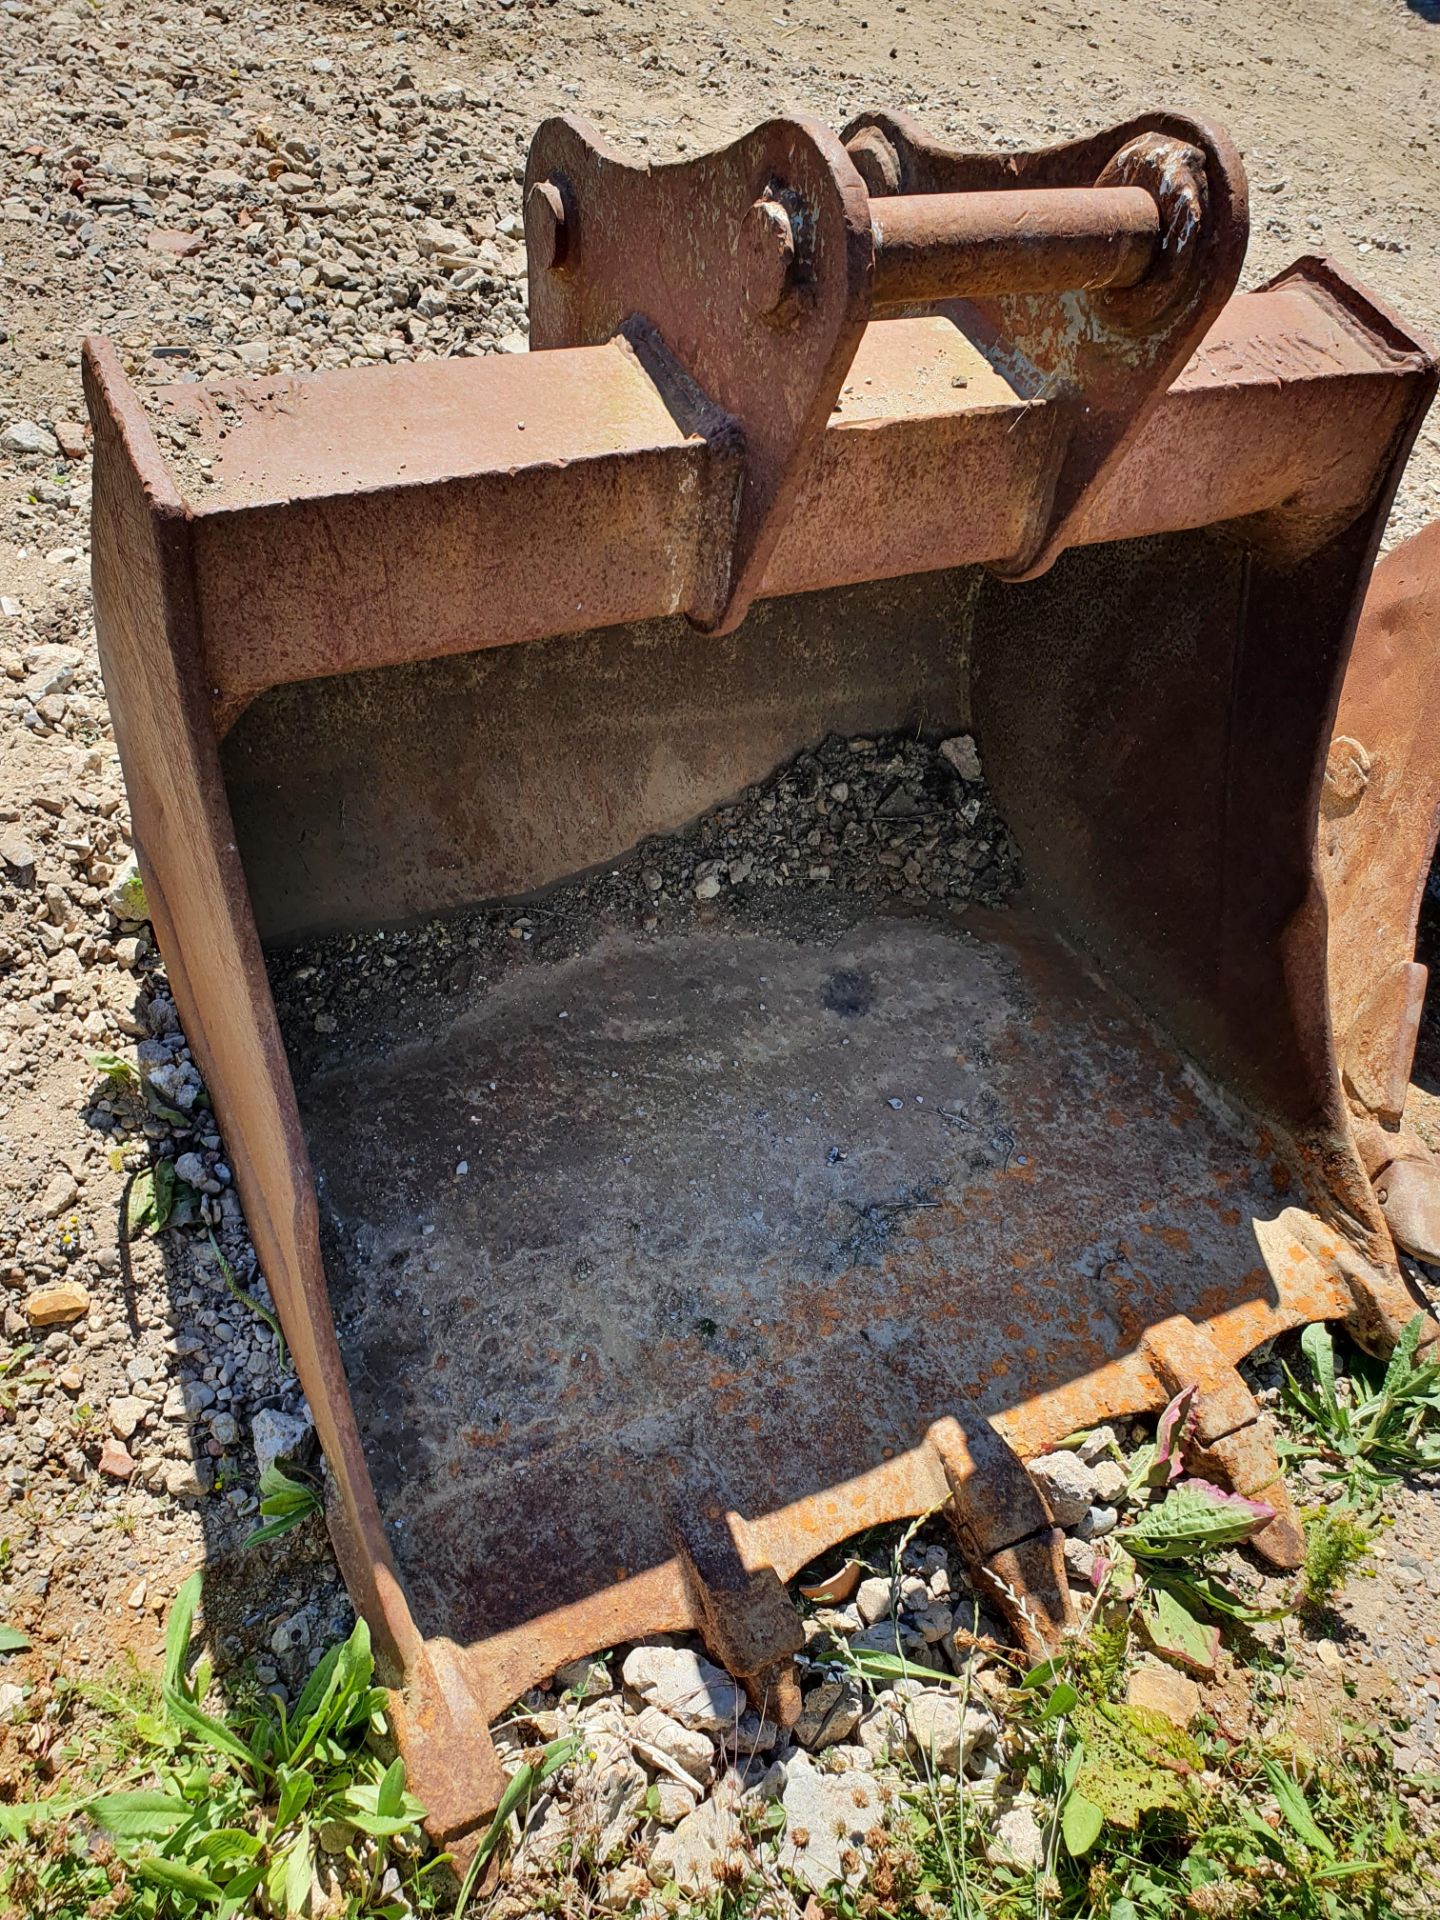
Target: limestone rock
28,436
874,1599
963,756
653,1732
605,1807
944,1732
15,850
831,1712
279,1436
1017,1839
60,1193
672,1800
684,1686
827,1817
126,1413
189,1479
696,1853
125,895
1067,1484
883,1730
1111,1483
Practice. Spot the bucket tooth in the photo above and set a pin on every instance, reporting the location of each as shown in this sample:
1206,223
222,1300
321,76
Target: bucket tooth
450,1760
1010,1545
744,1615
1230,1440
1381,1307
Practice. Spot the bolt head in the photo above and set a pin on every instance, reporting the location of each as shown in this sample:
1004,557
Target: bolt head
547,226
766,249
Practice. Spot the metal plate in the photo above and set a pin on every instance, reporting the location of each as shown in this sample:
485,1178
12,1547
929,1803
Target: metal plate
700,1256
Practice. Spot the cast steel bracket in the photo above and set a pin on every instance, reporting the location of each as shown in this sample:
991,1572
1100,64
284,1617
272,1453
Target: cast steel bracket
1093,270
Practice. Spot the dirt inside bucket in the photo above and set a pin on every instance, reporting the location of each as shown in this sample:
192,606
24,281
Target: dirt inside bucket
634,1199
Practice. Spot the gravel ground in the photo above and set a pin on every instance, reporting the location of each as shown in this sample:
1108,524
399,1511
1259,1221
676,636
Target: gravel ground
285,187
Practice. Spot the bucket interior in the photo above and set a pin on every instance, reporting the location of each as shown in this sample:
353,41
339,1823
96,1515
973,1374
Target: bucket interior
639,1191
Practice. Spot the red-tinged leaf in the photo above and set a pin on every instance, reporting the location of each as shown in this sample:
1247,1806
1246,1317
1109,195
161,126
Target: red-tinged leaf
1175,1633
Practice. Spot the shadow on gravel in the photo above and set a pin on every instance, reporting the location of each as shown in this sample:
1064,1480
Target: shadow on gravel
203,1380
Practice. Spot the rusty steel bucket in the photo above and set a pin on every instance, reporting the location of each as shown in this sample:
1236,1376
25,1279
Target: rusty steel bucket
820,436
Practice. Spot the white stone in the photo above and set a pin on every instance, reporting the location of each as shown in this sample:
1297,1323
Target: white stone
653,1732
883,1731
1017,1839
683,1685
672,1800
544,1833
60,1193
125,895
28,436
1067,1484
874,1599
278,1436
696,1852
1098,1445
1080,1562
831,1712
944,1732
963,756
605,1806
126,1414
1111,1483
826,1819
187,1479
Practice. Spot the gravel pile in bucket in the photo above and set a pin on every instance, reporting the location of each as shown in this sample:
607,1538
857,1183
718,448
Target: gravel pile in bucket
834,833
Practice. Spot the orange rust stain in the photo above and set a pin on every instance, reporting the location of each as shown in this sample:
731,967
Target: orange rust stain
1176,1238
442,1361
1280,1176
1116,1118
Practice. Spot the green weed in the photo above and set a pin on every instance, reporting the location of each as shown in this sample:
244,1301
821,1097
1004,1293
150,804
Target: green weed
284,1504
1337,1541
229,1816
1374,1424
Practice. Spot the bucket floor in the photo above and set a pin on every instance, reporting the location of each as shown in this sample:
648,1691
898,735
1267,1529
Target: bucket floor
731,1215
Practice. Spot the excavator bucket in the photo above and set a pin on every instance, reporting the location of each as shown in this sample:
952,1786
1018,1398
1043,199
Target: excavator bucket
628,1268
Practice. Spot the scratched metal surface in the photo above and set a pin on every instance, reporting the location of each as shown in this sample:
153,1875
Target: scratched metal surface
698,1252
